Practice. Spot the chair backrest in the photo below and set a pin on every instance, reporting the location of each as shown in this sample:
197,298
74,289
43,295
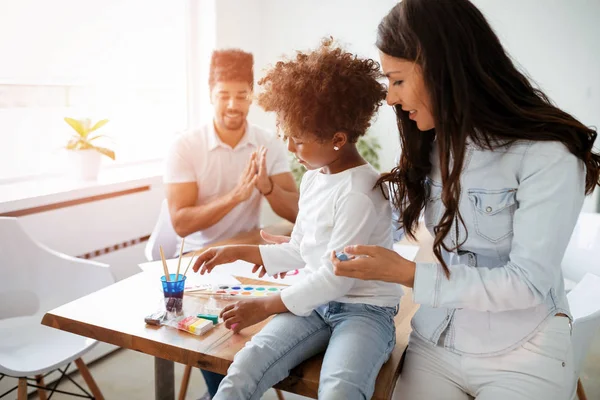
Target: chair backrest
163,235
584,301
36,279
583,252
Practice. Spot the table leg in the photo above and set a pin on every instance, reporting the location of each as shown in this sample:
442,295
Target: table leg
164,379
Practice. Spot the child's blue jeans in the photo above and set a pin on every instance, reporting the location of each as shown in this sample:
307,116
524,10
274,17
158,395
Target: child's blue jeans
357,340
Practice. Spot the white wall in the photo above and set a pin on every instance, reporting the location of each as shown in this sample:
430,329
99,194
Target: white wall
555,41
272,28
123,60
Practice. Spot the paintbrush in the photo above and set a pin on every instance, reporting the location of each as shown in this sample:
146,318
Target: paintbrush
179,261
164,263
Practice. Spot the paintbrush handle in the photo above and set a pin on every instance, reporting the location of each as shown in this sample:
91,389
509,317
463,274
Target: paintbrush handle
164,263
188,266
179,261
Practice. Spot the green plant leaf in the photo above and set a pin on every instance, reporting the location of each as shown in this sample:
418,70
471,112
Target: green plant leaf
98,125
77,125
72,144
77,143
103,150
96,137
87,124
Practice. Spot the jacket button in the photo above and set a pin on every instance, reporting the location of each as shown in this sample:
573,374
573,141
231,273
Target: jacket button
563,364
488,209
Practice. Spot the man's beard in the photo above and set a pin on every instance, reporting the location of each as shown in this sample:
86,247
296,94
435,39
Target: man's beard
234,123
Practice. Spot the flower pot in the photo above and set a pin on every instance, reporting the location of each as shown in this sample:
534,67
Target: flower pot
85,164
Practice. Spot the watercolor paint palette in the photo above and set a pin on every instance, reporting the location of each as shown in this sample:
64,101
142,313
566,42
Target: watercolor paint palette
194,287
240,290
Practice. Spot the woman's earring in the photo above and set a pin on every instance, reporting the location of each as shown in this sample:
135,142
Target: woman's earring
336,148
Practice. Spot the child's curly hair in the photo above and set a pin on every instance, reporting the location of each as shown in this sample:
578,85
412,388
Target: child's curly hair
323,92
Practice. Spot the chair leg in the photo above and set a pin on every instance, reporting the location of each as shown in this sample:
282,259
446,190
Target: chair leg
185,382
22,391
39,379
89,380
279,394
580,392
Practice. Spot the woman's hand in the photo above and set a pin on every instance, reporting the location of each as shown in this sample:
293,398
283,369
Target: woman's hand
274,239
215,256
246,313
375,263
262,271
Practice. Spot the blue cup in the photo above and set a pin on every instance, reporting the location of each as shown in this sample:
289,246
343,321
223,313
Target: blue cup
173,291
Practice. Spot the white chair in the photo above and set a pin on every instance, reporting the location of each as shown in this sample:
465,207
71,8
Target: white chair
584,301
583,252
581,270
34,280
163,235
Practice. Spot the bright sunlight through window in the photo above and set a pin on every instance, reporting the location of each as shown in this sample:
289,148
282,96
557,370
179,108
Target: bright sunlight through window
121,60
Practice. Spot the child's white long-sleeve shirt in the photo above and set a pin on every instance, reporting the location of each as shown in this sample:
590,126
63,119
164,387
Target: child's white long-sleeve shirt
335,210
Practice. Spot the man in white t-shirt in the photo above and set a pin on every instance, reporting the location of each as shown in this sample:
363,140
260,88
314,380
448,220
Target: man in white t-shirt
217,175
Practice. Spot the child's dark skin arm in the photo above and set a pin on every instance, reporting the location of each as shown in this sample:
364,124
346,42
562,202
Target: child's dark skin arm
252,311
226,254
247,312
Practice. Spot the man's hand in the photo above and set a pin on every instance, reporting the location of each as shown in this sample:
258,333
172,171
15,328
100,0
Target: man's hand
247,182
263,183
214,256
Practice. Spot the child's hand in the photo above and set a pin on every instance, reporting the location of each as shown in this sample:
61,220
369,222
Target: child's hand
246,313
213,257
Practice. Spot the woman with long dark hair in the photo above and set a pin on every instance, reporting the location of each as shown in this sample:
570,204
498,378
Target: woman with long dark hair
500,174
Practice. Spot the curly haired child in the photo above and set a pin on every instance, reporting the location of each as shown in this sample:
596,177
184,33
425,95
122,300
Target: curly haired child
324,101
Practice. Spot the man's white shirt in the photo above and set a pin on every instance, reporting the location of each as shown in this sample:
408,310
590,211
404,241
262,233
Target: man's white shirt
200,156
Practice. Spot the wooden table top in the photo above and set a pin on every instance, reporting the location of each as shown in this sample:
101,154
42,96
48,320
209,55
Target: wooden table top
116,314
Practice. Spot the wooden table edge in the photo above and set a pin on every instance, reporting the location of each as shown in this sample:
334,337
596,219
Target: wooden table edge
294,383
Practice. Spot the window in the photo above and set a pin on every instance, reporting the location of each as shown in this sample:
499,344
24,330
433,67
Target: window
124,60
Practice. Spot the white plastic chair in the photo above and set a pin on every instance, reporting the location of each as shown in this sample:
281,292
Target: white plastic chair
583,252
581,270
584,301
34,280
163,235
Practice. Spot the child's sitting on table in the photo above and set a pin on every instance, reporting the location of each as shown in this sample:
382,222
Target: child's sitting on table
324,101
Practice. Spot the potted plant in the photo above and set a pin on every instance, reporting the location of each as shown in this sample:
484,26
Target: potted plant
368,147
84,154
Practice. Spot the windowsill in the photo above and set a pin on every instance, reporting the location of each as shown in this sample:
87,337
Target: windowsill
49,190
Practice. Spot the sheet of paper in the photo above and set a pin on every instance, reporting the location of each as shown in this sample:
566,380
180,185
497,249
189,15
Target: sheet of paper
223,274
219,275
407,251
244,269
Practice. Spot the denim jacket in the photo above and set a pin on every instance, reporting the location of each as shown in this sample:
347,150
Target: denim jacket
519,205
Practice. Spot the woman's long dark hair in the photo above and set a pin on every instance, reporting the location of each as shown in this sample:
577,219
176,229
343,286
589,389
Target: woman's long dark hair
476,92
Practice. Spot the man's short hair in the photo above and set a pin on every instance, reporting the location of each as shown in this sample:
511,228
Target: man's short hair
231,65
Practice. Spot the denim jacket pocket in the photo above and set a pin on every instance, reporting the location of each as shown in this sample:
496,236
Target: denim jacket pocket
493,212
433,205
